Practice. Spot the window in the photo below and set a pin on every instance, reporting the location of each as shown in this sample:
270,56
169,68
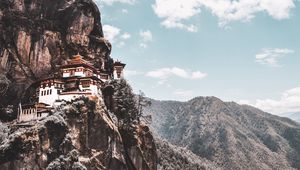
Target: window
47,92
85,83
50,91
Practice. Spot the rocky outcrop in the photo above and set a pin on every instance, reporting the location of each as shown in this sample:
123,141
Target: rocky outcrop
37,37
140,147
79,135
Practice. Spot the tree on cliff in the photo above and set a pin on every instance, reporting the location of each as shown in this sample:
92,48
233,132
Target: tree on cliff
129,107
142,102
124,105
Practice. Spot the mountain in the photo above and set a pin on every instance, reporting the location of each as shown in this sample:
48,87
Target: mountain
293,116
172,157
37,37
231,136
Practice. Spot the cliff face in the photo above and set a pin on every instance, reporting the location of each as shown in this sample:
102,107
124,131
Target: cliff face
37,36
80,135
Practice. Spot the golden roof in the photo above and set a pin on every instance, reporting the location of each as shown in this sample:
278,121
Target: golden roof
78,59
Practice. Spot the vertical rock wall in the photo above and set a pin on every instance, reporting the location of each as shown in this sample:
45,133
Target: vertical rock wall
38,36
79,134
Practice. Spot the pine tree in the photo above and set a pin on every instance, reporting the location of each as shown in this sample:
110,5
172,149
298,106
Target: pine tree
142,102
124,102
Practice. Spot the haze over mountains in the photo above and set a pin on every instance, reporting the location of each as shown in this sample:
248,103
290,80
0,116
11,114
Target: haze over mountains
229,135
293,116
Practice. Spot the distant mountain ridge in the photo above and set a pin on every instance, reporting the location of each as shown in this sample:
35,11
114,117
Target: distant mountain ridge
293,116
228,134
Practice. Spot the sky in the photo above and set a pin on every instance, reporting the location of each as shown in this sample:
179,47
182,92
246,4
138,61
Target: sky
247,51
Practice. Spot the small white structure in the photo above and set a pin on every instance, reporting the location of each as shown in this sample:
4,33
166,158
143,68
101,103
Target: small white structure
118,70
33,111
75,79
49,90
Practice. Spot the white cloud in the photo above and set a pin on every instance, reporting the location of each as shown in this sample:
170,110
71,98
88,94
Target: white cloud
143,45
246,102
165,73
198,75
115,36
271,56
130,73
126,36
120,44
245,10
146,35
124,11
174,13
111,32
184,94
111,2
289,102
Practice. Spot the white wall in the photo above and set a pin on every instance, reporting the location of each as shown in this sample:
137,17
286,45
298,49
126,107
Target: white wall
93,89
43,115
69,97
48,99
27,115
79,73
66,74
116,75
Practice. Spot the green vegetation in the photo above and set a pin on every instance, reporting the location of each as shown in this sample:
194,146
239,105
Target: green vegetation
128,107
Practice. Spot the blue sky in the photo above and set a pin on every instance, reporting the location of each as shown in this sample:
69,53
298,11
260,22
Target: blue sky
246,51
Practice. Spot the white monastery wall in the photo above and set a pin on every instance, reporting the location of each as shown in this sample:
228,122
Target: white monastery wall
66,75
47,97
27,115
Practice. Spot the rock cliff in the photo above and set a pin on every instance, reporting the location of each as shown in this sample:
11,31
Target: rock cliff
38,36
79,135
